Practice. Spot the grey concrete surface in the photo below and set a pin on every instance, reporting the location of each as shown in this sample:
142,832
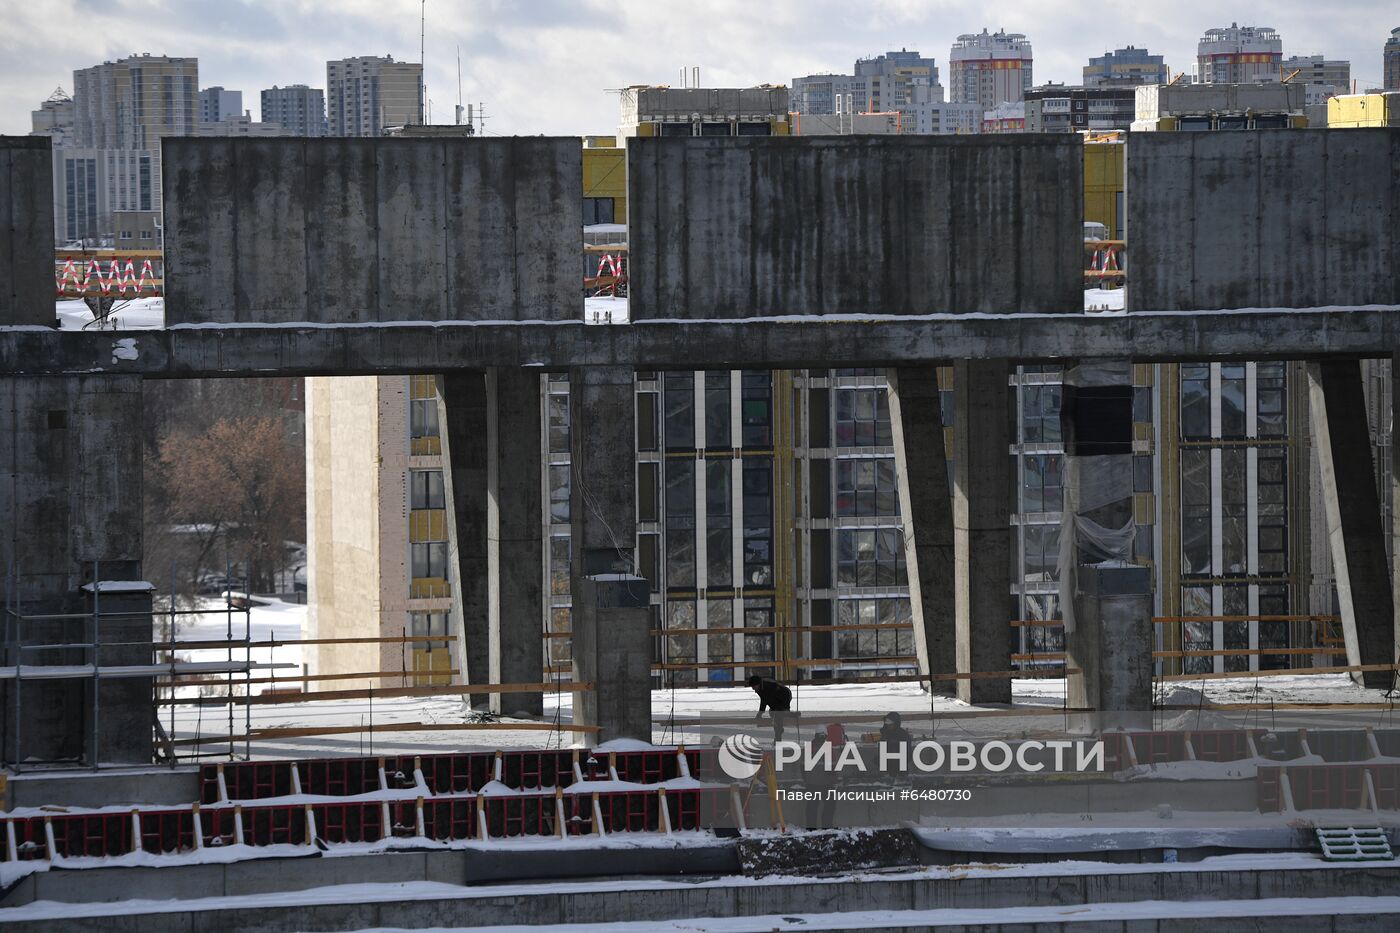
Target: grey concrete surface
463,422
337,230
175,786
853,224
515,538
981,530
26,230
921,468
1342,439
70,473
1268,218
550,908
1112,645
611,619
370,349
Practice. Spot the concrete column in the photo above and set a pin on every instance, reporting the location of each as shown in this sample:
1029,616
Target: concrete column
981,526
70,508
464,424
1106,600
611,617
916,420
515,538
26,230
1395,495
1354,535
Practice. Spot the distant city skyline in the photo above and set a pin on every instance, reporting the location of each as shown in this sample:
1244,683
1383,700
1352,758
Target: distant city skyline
546,66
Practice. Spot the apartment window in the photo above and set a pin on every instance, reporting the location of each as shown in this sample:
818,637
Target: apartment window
719,520
1197,635
559,568
558,423
870,557
422,409
1041,549
1042,484
717,435
1195,512
680,648
428,623
1041,414
679,413
680,524
1234,512
1273,601
1195,400
888,638
429,560
720,647
758,521
1273,511
866,488
758,613
756,406
1232,388
1272,402
597,211
559,491
862,418
426,489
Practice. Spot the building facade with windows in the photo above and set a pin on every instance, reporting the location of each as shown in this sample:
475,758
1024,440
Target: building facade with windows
1390,61
217,103
366,94
989,68
91,186
668,111
1128,66
1239,55
1054,108
301,110
133,102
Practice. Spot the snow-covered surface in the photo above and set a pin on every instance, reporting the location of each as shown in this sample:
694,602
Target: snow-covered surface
605,311
429,890
132,314
119,586
1105,300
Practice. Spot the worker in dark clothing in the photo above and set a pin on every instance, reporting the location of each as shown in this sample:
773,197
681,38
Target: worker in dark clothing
893,736
819,777
775,697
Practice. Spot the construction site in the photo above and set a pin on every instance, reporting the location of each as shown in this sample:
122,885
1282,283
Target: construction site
1051,479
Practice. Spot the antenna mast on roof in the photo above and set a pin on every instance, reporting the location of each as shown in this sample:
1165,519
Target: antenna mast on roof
422,63
458,120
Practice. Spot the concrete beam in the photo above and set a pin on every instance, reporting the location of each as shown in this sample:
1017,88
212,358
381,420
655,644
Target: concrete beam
26,230
395,349
353,230
463,423
1342,439
515,538
981,526
921,465
611,612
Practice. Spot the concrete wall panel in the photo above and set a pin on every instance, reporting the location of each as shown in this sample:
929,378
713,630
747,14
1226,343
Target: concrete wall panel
26,230
1266,218
753,226
399,229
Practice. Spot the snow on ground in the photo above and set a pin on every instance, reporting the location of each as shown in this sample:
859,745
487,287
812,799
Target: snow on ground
133,314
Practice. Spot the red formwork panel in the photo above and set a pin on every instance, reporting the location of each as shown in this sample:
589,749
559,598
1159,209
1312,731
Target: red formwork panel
1220,744
31,842
519,815
1157,747
217,826
646,767
349,822
258,780
533,770
684,809
1327,787
209,784
1339,744
403,819
166,831
632,812
704,764
447,818
1115,758
92,835
451,774
1268,786
339,777
277,825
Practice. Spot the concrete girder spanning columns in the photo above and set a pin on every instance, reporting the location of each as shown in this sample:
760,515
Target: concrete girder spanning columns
492,459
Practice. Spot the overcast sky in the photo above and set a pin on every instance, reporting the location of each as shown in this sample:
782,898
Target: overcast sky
545,66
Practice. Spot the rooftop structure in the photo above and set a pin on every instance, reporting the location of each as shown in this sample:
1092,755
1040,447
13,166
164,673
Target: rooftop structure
1238,55
989,68
1127,66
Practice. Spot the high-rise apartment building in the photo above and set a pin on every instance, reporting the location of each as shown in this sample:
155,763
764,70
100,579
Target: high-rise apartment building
1128,66
1239,55
1315,71
366,94
133,102
1054,108
902,83
1390,60
989,68
301,110
54,119
217,103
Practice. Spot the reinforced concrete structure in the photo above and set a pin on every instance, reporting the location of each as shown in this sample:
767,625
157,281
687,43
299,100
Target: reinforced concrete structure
705,296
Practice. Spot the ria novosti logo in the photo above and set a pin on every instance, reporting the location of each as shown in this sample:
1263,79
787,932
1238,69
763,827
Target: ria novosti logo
740,756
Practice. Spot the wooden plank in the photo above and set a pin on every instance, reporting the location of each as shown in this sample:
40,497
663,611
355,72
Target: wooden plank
258,735
1226,652
1165,620
296,679
323,696
1283,672
1013,675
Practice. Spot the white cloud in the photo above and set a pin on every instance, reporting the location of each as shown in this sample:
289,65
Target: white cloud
545,66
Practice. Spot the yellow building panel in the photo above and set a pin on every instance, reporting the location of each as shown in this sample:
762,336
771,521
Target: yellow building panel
1352,111
427,525
428,588
1103,185
605,176
426,446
